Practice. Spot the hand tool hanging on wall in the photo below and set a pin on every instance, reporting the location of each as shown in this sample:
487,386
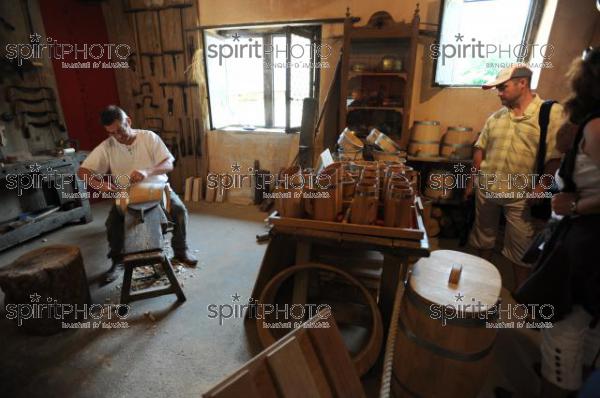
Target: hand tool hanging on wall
32,101
152,104
151,57
142,85
190,143
191,48
182,143
23,92
170,106
48,123
173,54
182,86
160,7
198,138
40,114
175,150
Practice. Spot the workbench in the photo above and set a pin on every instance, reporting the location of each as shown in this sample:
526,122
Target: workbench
298,241
40,195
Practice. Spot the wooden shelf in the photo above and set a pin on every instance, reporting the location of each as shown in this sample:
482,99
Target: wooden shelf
375,108
369,45
401,75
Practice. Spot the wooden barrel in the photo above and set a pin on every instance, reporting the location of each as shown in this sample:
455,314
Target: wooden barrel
442,346
425,139
52,274
457,143
145,192
288,191
439,185
348,141
346,312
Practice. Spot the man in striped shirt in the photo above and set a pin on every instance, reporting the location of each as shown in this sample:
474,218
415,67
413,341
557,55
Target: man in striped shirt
504,156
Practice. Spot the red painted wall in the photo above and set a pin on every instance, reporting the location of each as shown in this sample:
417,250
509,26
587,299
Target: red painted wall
83,92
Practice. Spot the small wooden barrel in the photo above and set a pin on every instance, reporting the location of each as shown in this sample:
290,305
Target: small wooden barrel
365,202
145,192
373,135
439,185
387,144
288,192
398,212
457,143
442,346
425,139
348,141
52,275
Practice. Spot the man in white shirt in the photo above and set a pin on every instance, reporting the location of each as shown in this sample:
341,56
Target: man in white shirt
132,156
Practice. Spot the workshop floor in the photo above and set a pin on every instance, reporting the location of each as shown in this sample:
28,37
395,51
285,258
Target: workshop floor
171,350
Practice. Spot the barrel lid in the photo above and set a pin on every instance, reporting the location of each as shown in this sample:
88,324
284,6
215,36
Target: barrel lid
478,282
459,128
427,122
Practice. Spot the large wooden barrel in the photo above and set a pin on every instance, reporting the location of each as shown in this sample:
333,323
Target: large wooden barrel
425,139
52,275
457,143
442,346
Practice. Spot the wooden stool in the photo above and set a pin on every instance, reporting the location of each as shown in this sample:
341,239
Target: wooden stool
133,261
52,275
144,246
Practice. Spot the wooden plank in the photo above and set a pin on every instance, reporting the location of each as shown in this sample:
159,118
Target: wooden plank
373,230
241,385
262,377
336,361
149,37
291,371
187,196
197,189
53,221
170,29
314,364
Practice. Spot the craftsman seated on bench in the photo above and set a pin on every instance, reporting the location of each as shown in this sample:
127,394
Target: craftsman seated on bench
134,155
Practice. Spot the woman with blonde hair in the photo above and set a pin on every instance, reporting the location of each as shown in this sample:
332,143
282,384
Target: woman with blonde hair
567,274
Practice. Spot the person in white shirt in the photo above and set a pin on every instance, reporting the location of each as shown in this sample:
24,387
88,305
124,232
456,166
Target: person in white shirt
131,156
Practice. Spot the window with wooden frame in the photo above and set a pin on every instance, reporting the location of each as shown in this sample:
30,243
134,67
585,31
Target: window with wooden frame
258,77
477,38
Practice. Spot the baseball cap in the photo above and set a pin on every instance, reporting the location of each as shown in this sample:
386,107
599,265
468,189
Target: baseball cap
508,73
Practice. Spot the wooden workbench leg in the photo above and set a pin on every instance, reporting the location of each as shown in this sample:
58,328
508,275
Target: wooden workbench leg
393,270
301,279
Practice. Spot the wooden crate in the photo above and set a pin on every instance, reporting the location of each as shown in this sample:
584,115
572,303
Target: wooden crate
416,233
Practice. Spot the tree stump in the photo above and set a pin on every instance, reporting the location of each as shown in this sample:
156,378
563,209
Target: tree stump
42,285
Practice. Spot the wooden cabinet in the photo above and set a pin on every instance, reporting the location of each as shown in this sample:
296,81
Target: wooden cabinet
377,75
